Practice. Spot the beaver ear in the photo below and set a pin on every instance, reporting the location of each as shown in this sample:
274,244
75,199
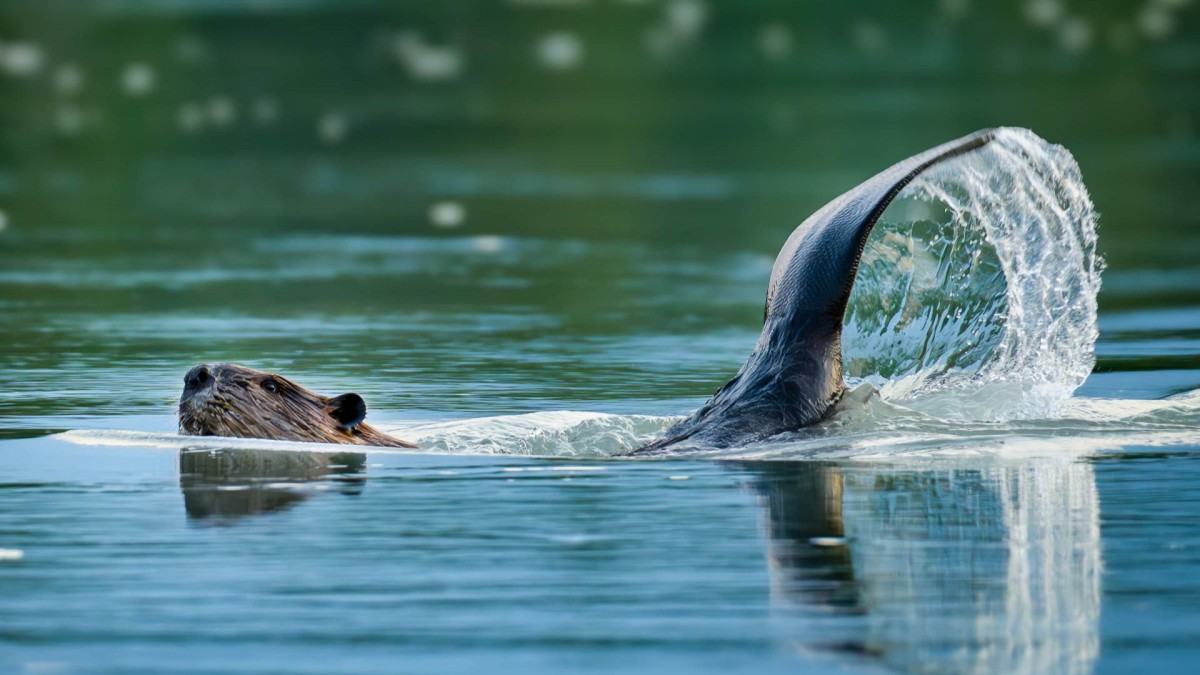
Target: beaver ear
348,409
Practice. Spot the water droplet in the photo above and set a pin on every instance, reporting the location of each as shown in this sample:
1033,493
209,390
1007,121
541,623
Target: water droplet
686,17
1156,21
1044,13
427,62
1075,35
681,25
775,41
222,111
659,42
488,244
191,118
560,51
955,8
331,128
69,120
447,214
68,79
265,111
190,49
138,79
21,59
869,36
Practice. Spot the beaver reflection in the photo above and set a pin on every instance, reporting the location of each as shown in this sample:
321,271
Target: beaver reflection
808,556
948,570
232,482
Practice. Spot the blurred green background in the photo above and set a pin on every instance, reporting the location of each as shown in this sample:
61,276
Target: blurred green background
734,118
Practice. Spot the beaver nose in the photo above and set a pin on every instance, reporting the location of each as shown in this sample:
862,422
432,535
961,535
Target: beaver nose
196,378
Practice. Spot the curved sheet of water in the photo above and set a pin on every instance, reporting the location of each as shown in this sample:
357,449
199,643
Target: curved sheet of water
976,297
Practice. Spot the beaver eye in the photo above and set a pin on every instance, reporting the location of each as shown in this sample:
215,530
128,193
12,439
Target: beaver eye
270,385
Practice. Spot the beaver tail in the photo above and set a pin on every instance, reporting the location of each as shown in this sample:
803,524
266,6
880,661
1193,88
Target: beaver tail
794,375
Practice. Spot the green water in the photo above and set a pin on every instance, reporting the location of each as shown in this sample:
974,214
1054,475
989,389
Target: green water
625,173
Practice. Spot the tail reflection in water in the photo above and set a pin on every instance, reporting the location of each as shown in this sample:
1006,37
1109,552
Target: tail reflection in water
951,570
232,482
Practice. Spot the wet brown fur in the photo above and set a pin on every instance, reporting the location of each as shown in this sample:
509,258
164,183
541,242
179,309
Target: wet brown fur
238,403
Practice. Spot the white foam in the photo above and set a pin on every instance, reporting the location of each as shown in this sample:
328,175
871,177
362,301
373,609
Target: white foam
560,434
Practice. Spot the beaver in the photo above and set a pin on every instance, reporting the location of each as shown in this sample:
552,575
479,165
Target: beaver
226,399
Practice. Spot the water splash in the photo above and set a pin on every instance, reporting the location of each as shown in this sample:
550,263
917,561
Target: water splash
976,298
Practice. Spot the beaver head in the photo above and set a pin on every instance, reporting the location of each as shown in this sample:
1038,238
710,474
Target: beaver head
230,400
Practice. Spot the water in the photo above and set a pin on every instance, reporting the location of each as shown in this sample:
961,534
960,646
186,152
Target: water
219,185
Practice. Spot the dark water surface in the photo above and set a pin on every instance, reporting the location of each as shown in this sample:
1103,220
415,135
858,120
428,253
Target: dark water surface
619,216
